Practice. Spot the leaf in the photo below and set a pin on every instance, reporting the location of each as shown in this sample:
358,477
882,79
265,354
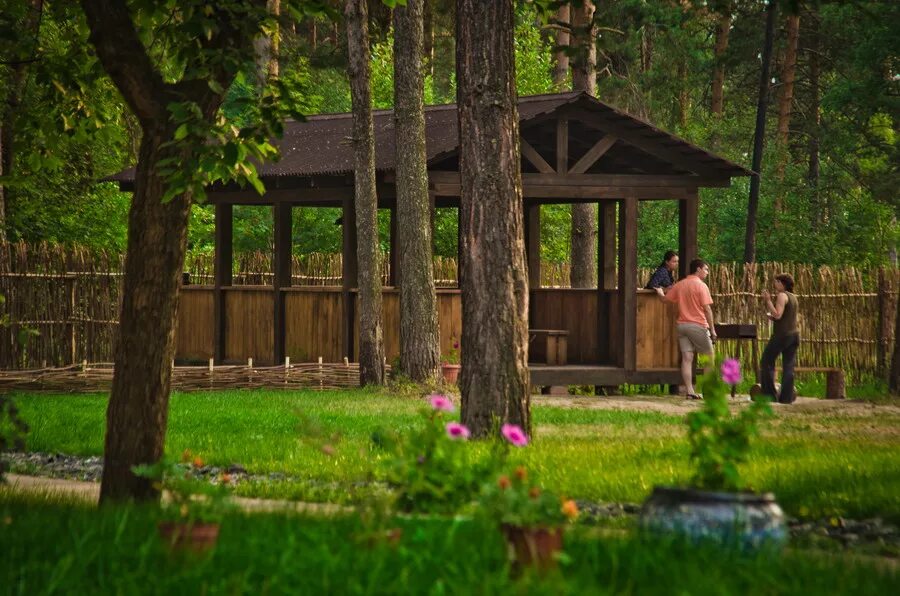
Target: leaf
181,132
230,154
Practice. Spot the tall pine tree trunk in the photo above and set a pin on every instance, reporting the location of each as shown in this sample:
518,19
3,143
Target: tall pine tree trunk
561,64
494,377
419,338
371,338
788,74
814,122
583,267
723,28
759,134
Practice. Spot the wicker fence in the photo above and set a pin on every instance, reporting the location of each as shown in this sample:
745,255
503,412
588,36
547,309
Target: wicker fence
62,303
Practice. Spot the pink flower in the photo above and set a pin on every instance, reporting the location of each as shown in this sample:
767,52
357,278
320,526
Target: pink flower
514,435
455,430
441,403
731,371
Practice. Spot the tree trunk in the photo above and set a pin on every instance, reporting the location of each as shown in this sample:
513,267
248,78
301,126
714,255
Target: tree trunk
139,400
812,176
723,28
894,379
561,66
419,337
646,48
788,73
157,239
759,135
371,340
583,259
494,376
428,39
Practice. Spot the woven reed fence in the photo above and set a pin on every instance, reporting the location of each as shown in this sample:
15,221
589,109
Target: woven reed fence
98,377
70,297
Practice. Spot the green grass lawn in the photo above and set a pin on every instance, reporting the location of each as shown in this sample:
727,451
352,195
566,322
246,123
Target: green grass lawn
52,547
817,465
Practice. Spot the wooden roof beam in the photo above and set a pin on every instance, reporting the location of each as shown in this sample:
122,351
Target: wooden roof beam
655,148
593,154
534,158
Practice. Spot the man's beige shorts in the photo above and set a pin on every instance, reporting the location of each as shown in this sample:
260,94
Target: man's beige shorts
694,338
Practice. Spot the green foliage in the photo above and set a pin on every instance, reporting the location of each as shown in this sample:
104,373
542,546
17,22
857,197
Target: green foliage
513,498
430,471
720,441
186,499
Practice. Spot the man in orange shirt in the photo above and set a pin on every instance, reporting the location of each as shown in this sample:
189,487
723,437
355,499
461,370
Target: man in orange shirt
696,330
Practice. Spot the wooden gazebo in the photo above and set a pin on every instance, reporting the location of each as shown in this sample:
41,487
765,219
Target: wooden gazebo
575,149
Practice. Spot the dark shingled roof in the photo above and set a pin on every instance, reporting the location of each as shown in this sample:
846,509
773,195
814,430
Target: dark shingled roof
320,145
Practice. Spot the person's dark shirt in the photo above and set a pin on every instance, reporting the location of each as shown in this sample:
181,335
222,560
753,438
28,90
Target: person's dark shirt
661,278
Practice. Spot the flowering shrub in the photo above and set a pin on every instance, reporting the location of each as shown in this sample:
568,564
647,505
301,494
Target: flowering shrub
187,500
434,469
515,500
718,440
452,355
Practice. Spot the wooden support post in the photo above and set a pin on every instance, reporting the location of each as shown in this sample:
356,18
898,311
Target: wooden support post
606,275
562,145
628,282
282,277
349,273
394,277
687,232
70,326
459,248
222,273
533,244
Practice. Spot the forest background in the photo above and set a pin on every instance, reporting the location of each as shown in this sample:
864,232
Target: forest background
829,177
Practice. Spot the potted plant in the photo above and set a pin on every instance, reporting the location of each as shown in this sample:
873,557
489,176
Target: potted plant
450,363
192,509
530,518
718,506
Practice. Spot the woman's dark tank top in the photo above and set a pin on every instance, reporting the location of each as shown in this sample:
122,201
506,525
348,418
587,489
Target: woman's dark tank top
787,324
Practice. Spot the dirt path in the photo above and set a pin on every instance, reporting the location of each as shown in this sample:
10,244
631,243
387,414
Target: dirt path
89,492
677,406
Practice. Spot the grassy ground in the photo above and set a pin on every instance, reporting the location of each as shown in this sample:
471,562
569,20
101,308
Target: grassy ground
57,547
817,464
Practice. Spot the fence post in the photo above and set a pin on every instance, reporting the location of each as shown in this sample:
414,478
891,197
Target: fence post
212,363
70,327
884,327
321,375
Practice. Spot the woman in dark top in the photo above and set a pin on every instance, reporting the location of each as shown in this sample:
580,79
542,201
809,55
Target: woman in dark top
784,341
664,276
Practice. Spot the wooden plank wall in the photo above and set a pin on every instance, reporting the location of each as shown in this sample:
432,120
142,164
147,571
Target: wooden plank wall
657,341
449,322
315,324
572,310
194,329
249,313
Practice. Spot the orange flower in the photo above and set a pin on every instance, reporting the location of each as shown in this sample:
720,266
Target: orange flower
534,492
570,509
503,482
521,473
186,456
226,478
198,463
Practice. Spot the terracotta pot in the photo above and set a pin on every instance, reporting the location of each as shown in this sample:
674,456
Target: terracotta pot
746,520
533,547
197,537
451,372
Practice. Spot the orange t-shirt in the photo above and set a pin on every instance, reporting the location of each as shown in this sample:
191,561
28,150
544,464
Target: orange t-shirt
691,295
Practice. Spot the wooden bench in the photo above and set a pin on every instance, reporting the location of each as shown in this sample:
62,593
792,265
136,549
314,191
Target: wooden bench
549,346
835,386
